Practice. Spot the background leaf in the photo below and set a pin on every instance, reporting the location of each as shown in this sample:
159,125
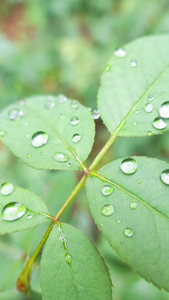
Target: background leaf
85,278
136,223
35,213
65,127
134,86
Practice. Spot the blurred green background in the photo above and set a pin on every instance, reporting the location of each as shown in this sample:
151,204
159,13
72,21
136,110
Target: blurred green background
51,47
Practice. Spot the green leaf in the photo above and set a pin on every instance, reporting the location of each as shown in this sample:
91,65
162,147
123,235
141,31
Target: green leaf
20,209
125,90
85,277
134,217
48,132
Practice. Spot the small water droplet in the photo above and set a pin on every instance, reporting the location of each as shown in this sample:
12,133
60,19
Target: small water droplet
62,98
133,205
13,211
107,190
76,138
118,221
164,110
26,124
7,188
95,114
107,210
159,123
138,181
21,102
107,68
29,217
137,111
150,97
39,139
2,133
148,107
74,121
29,155
134,124
61,116
165,176
68,258
149,133
49,104
120,52
128,232
61,157
129,166
15,114
133,63
74,103
69,165
78,108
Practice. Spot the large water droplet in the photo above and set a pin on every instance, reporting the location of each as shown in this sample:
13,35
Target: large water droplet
7,188
133,63
49,104
133,205
15,114
128,232
164,110
74,121
150,97
120,52
107,190
13,211
129,166
107,68
148,107
62,98
159,123
95,114
107,210
61,157
39,139
76,138
165,176
2,133
68,258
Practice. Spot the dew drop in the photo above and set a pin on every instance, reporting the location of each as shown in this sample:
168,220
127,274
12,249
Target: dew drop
39,139
159,123
133,205
107,190
7,188
15,114
62,98
120,52
13,211
148,107
118,221
61,157
128,232
78,108
95,114
26,124
149,133
164,110
29,155
107,68
2,133
107,210
21,102
74,121
29,217
150,97
129,166
134,124
76,138
68,258
74,103
138,181
165,176
133,63
49,104
137,111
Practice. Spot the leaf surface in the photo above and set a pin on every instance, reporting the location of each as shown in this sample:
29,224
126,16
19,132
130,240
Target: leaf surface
33,210
137,220
134,83
63,125
86,277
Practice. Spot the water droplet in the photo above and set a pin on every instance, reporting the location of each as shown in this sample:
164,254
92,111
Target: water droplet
159,123
39,139
138,181
107,210
107,68
74,121
74,103
150,98
137,111
128,232
7,188
62,98
68,258
61,157
95,114
133,63
134,124
120,52
29,155
29,217
76,138
107,190
148,107
61,116
69,165
165,176
21,102
133,205
118,221
149,133
15,114
129,166
2,133
78,108
164,110
49,104
13,211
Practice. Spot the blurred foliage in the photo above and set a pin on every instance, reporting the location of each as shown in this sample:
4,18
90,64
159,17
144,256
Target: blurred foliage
51,47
